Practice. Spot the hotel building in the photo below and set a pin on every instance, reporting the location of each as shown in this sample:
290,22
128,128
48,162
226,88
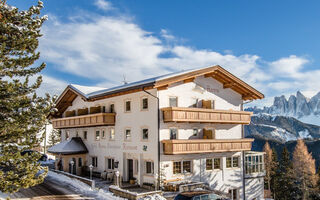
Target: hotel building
181,126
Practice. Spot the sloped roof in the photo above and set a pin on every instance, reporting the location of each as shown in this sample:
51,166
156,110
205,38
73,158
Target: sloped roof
217,72
74,145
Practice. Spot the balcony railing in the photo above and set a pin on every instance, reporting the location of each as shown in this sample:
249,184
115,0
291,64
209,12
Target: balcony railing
98,119
195,115
172,147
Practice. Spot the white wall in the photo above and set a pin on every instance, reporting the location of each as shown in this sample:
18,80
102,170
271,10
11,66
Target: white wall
120,149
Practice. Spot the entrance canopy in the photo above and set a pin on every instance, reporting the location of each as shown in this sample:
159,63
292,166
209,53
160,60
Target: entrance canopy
74,145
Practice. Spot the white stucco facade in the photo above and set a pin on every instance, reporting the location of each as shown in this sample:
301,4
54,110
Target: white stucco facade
140,151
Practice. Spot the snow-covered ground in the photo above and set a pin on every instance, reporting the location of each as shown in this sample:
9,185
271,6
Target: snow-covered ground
86,190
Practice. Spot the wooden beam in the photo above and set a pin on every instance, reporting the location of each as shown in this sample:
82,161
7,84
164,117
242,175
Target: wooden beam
162,87
188,80
228,85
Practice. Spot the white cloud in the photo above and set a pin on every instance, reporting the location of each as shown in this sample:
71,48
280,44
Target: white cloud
103,5
105,48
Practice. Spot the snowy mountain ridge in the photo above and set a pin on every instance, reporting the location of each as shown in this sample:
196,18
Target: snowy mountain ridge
298,106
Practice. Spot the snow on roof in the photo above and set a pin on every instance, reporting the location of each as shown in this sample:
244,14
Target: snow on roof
74,145
85,90
88,91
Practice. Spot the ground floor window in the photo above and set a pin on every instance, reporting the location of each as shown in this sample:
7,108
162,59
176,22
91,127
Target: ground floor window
94,161
213,163
254,163
232,162
110,163
149,167
182,167
79,162
233,194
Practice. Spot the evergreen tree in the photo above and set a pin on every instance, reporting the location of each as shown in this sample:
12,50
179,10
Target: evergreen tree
54,137
284,176
273,173
304,171
270,166
22,112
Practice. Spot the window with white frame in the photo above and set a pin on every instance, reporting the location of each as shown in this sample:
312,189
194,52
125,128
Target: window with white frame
127,106
180,167
112,108
85,135
145,134
233,194
173,101
97,135
144,103
232,162
173,133
213,163
254,163
110,163
112,134
149,167
94,161
128,134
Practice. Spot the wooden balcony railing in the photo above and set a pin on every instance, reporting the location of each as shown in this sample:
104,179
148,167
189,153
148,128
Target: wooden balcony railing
195,115
172,147
98,119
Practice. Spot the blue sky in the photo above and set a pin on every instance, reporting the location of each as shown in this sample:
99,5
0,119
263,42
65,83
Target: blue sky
272,45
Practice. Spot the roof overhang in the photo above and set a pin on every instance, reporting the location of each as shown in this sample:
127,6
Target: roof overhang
220,74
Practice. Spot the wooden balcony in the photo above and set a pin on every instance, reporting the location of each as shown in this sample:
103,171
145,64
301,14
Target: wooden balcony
99,119
202,115
173,147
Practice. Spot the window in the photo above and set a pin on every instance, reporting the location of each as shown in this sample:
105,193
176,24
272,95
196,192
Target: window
97,135
79,162
128,134
182,167
112,108
128,106
103,109
77,134
144,103
209,164
235,161
145,134
195,132
217,164
228,162
213,163
233,194
232,162
176,167
67,135
112,134
149,167
254,163
110,163
103,134
186,166
173,133
85,135
94,161
173,101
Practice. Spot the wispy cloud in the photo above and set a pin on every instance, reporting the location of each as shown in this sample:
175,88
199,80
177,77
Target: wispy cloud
105,48
104,5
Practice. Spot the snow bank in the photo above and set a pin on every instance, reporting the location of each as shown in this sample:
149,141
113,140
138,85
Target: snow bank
81,187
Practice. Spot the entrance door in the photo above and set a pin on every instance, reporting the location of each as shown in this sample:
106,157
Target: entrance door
130,169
